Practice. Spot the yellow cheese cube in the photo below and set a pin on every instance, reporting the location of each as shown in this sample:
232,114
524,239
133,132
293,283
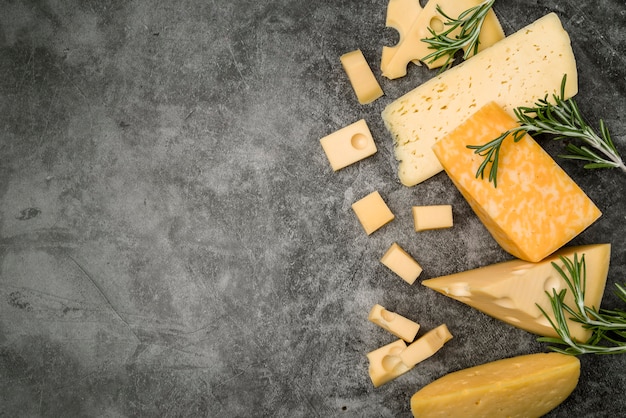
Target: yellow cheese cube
432,217
425,346
523,386
385,363
360,74
395,323
372,212
536,208
349,145
401,263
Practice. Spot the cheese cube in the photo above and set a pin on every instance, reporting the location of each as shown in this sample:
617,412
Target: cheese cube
412,23
516,71
349,145
425,346
360,74
432,217
398,325
523,386
385,363
513,291
401,263
536,208
372,212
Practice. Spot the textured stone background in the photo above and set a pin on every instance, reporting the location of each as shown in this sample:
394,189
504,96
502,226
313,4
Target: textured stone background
174,243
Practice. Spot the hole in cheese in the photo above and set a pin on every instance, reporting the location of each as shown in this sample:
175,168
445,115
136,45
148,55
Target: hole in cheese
505,303
436,24
390,362
359,141
552,282
460,289
387,316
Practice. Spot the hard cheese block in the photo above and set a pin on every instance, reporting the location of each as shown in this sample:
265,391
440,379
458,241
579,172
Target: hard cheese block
410,47
517,71
523,386
359,73
511,290
536,207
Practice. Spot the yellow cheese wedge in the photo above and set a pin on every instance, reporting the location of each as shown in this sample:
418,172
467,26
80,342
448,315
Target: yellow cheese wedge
411,47
516,71
395,323
523,386
536,208
361,78
511,290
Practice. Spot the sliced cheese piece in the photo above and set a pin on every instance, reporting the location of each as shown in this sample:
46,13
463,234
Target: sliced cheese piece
360,74
510,291
517,71
523,386
432,217
372,212
411,47
385,363
395,323
348,145
425,346
536,207
401,263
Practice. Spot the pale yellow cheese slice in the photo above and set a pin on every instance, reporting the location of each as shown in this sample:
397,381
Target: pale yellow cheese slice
412,25
516,71
536,207
518,387
361,77
511,290
393,322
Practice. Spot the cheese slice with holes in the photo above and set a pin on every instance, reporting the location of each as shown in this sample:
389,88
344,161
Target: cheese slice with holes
517,71
511,290
524,386
412,23
536,207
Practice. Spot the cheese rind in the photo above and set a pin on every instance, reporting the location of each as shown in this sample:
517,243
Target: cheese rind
361,77
432,217
523,386
348,145
385,363
395,323
401,263
425,346
372,212
516,71
510,291
536,207
411,47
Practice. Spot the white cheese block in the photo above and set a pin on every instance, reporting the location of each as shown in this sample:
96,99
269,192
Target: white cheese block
517,71
511,290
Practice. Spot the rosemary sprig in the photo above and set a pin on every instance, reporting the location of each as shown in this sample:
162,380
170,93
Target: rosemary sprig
562,119
608,327
470,23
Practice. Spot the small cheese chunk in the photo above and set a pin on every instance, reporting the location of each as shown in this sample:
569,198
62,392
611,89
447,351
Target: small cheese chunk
401,263
523,386
349,145
372,212
385,363
510,291
425,346
360,74
536,207
411,47
432,217
517,71
395,323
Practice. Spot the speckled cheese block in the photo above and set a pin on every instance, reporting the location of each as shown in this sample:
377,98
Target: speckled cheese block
527,386
536,207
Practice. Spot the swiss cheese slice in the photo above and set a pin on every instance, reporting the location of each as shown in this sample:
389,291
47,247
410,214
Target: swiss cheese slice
412,24
536,207
517,71
523,386
511,290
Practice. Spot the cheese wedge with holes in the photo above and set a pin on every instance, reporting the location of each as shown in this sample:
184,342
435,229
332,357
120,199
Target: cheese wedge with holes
511,290
516,71
523,386
536,207
412,23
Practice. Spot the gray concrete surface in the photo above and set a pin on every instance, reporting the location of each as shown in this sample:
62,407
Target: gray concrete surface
174,243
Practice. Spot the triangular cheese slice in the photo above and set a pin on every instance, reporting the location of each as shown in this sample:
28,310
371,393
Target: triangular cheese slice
511,290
